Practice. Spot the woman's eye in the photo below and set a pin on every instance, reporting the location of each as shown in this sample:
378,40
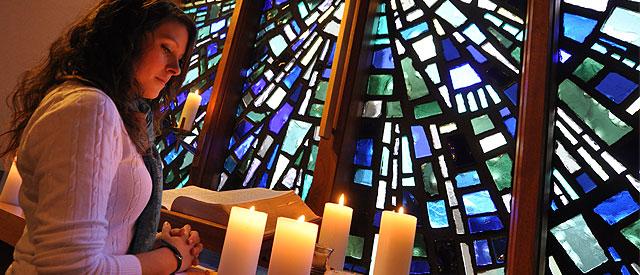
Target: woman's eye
166,49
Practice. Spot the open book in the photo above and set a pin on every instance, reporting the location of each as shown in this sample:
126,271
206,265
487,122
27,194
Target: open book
216,206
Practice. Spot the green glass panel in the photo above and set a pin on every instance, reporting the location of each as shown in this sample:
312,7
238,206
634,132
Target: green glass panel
419,246
355,247
588,69
481,124
429,179
416,88
427,110
632,233
321,90
500,169
316,110
516,54
394,109
299,159
256,117
578,241
380,85
604,123
503,40
312,158
295,134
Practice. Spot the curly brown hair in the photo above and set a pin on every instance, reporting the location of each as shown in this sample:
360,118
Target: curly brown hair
100,50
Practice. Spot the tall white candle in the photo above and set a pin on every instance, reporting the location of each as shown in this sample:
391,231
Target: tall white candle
395,243
11,186
189,111
242,242
336,222
293,246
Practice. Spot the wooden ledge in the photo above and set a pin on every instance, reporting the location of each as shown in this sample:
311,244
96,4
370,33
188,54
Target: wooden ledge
12,220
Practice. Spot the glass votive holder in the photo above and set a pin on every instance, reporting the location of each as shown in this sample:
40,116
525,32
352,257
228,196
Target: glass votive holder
320,263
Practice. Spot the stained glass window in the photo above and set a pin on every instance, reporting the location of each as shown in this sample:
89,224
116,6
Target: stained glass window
437,132
212,20
275,140
594,221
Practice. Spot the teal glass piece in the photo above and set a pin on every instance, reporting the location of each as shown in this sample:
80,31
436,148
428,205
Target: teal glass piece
588,69
577,27
295,135
466,179
380,85
474,34
481,124
364,177
623,24
500,168
278,44
321,90
451,14
429,179
632,233
437,214
416,87
506,42
579,243
605,124
414,31
478,203
427,110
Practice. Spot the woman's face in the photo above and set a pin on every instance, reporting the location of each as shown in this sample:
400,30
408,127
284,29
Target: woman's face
162,50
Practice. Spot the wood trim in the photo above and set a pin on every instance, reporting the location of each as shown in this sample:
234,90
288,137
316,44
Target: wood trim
12,221
534,142
348,80
218,125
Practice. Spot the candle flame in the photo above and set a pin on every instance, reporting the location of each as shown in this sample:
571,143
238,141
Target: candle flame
401,210
301,219
253,208
341,200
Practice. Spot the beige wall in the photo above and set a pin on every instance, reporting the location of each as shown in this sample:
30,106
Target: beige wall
27,28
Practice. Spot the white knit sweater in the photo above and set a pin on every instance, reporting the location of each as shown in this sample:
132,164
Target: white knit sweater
84,185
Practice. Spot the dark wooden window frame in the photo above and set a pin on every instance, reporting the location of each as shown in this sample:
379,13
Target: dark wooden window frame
534,134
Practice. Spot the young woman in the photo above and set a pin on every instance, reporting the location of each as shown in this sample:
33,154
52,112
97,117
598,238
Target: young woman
82,134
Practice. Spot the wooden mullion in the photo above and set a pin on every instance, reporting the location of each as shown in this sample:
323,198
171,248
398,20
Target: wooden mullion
219,121
534,141
346,85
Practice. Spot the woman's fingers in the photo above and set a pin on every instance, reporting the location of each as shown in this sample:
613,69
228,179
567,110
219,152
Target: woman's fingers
194,237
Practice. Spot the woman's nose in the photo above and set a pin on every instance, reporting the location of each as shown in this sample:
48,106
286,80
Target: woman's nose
174,67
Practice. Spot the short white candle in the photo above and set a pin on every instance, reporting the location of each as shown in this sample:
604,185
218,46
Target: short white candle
293,246
395,243
189,111
242,242
336,223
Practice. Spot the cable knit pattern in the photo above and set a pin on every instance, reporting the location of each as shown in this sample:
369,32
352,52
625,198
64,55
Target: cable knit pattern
84,185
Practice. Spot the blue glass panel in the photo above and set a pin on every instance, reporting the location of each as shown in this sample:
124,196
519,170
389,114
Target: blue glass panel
616,87
420,142
450,51
257,88
363,176
437,214
614,254
554,207
206,96
382,59
617,207
500,249
230,164
586,182
212,49
481,248
243,128
512,93
293,76
364,151
419,267
482,224
243,147
467,179
504,112
577,27
414,31
263,180
624,270
279,119
478,203
376,218
510,123
273,157
476,54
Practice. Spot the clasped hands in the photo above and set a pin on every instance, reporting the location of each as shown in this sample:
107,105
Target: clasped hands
187,241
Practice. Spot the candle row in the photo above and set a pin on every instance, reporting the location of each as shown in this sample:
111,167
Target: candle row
294,241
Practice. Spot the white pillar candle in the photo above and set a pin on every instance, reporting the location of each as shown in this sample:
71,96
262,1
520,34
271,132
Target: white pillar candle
336,222
189,111
293,246
395,243
242,242
11,186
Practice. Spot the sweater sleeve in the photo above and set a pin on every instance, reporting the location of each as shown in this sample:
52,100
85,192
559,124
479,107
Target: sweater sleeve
75,148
